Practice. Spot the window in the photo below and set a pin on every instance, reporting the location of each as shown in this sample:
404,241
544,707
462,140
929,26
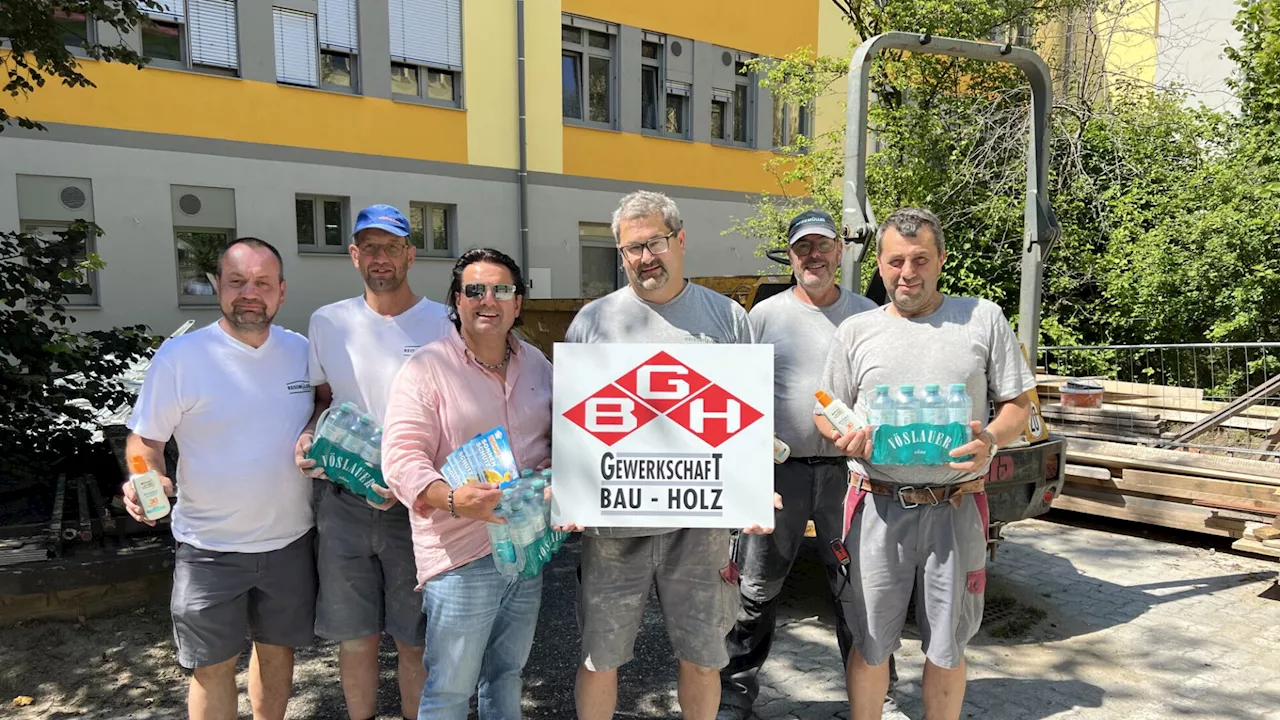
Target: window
339,45
601,272
322,223
790,121
426,50
295,44
732,106
198,250
49,231
187,34
431,228
663,102
587,71
76,28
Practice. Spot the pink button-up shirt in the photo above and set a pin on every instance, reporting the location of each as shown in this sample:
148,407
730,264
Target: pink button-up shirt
440,399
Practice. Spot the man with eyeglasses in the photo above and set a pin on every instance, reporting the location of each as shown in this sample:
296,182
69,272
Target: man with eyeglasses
799,324
365,551
619,565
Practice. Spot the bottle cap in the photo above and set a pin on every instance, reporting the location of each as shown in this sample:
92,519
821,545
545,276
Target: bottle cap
526,473
539,485
958,386
931,387
823,398
137,465
882,388
908,388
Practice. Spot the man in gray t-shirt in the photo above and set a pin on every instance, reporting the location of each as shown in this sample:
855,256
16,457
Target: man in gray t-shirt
913,523
620,565
800,324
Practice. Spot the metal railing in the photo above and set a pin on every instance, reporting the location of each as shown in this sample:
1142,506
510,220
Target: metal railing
1154,391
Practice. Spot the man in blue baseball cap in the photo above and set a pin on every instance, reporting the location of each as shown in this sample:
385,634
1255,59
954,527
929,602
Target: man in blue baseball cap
365,551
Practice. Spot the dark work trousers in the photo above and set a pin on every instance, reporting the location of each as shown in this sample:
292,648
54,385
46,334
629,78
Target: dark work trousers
810,488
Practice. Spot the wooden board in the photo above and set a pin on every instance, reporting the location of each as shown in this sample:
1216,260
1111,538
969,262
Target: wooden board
1102,414
1258,509
1088,471
1113,454
1151,511
1052,384
1255,547
1197,486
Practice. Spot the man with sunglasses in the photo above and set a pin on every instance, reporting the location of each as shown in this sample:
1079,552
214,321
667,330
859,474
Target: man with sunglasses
365,551
619,565
480,623
800,324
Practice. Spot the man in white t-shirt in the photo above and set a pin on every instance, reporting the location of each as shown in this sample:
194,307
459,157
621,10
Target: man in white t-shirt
365,558
235,395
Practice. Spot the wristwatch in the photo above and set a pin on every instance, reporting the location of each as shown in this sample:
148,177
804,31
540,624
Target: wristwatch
992,447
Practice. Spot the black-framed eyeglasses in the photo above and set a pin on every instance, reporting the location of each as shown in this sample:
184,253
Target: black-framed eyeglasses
804,247
656,245
477,291
371,250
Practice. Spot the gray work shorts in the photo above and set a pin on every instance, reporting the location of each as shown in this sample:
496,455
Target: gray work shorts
218,597
940,550
367,571
698,605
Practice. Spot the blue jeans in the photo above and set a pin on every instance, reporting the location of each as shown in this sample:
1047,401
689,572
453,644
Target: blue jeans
480,627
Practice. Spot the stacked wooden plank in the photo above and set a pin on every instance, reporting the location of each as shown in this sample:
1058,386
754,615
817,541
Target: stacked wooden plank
1168,403
1211,494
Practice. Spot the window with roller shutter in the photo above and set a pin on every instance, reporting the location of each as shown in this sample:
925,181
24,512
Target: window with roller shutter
192,34
426,50
339,45
212,28
296,47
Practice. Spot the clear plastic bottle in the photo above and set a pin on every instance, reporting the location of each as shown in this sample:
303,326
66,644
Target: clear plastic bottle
882,412
336,423
959,405
537,522
505,556
518,524
908,410
934,410
358,433
372,452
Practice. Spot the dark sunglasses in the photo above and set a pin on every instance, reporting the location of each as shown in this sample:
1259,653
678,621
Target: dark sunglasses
477,291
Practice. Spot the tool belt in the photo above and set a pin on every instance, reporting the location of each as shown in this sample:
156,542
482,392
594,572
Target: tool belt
910,496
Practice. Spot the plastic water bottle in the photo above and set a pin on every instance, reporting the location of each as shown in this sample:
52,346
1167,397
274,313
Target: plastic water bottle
521,530
505,556
882,412
538,525
935,410
335,426
372,452
908,409
358,433
959,405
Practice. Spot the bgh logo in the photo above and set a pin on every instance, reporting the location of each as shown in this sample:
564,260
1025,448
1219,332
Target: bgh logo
663,386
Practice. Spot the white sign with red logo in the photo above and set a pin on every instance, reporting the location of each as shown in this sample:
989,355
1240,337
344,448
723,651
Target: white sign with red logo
663,435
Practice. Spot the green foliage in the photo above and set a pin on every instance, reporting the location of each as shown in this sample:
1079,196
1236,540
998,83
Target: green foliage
1168,211
52,378
36,37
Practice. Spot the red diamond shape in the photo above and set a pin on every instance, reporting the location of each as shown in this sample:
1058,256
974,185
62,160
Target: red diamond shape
607,414
662,382
715,415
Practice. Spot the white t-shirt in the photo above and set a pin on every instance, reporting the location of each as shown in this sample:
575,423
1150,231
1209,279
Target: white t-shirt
236,412
358,352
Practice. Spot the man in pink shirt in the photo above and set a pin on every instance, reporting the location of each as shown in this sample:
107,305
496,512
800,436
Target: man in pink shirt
480,624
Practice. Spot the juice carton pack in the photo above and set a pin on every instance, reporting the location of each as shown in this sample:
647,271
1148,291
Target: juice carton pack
487,457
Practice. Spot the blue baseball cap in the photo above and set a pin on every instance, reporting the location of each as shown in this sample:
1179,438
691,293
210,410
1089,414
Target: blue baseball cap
383,217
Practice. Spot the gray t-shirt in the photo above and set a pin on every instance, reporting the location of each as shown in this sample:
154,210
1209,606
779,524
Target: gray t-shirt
801,335
696,315
965,340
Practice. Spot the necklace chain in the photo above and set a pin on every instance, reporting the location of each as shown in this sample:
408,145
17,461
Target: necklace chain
499,366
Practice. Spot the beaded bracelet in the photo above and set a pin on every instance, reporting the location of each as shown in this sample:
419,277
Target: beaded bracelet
451,512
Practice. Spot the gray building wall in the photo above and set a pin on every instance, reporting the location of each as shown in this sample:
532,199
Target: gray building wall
132,202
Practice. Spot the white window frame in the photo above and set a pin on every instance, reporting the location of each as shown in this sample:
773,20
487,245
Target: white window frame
185,299
318,245
450,229
585,52
416,16
336,18
90,36
47,229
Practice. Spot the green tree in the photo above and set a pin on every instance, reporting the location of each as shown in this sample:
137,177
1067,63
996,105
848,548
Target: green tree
53,378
